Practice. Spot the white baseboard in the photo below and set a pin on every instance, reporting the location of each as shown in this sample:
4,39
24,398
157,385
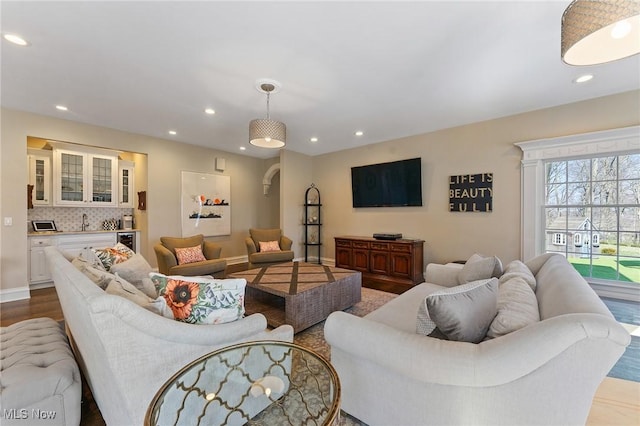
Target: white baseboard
617,292
13,294
41,285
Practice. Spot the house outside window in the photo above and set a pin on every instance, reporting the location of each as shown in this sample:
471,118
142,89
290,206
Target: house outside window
586,187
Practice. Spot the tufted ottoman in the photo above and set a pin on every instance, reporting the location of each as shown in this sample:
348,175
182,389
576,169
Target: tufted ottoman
39,379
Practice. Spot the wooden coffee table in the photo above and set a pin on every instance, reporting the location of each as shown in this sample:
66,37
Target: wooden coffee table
300,294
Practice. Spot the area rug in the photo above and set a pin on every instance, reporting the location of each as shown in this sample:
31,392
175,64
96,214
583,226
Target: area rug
313,337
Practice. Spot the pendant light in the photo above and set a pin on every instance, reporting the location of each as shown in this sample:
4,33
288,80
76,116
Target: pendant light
599,31
267,133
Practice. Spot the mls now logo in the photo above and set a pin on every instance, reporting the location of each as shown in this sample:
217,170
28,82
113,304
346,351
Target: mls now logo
23,414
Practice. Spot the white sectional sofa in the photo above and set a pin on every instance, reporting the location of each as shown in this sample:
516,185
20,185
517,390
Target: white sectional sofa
126,352
545,373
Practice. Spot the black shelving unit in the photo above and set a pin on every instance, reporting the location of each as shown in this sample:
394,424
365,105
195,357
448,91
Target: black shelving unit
312,221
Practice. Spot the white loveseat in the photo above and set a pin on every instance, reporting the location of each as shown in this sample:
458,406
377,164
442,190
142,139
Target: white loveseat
545,373
127,352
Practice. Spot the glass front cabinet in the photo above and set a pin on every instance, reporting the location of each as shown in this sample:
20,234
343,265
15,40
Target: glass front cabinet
40,176
126,171
85,178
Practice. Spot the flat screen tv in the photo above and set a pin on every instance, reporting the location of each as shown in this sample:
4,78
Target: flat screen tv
394,184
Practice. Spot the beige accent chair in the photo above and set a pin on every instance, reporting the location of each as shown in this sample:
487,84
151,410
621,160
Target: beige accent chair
168,263
258,258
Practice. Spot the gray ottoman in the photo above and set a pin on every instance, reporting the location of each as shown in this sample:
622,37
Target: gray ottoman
39,379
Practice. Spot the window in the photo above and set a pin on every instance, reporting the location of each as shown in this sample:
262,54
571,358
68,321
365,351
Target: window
559,239
598,198
586,186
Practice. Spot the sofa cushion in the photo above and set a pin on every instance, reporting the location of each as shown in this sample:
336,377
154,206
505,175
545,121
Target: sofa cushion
497,269
187,255
517,307
136,270
202,300
518,269
478,268
464,313
112,255
269,246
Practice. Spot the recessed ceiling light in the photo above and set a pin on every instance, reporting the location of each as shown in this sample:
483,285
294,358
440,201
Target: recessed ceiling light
173,132
210,111
242,148
16,39
359,133
314,139
583,78
62,108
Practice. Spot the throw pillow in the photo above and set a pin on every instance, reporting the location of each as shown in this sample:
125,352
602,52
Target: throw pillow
122,288
464,313
99,276
201,300
112,255
136,270
480,268
517,307
518,269
269,246
424,323
189,254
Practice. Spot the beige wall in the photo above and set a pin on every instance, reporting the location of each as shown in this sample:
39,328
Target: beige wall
165,161
295,177
269,206
476,148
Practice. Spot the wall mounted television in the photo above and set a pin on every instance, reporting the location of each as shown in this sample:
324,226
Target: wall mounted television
393,184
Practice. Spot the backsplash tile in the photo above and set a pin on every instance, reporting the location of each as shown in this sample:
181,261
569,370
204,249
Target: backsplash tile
70,218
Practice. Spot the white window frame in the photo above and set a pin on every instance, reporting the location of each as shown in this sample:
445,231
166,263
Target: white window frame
534,153
560,239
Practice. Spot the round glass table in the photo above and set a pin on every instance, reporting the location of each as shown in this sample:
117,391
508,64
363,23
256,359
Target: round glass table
254,383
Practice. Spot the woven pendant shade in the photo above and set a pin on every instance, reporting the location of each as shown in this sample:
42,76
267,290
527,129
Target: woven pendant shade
599,31
267,133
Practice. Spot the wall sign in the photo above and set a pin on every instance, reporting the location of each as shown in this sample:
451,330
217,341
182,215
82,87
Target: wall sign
471,193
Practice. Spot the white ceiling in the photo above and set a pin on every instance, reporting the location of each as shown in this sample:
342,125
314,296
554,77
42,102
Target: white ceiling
390,69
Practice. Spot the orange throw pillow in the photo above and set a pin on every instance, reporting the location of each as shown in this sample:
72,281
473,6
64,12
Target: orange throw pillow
269,246
189,255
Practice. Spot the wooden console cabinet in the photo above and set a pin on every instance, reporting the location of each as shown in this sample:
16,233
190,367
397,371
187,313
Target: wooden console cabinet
396,262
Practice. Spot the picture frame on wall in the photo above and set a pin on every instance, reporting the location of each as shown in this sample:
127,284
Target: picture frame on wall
471,193
205,204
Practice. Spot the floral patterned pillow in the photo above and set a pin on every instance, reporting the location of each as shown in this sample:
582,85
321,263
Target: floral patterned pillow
202,300
189,254
111,255
269,246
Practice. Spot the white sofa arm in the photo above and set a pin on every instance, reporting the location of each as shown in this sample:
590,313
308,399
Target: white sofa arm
490,363
444,275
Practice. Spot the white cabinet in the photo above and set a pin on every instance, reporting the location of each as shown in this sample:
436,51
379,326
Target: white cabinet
40,176
82,244
38,269
84,178
126,184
